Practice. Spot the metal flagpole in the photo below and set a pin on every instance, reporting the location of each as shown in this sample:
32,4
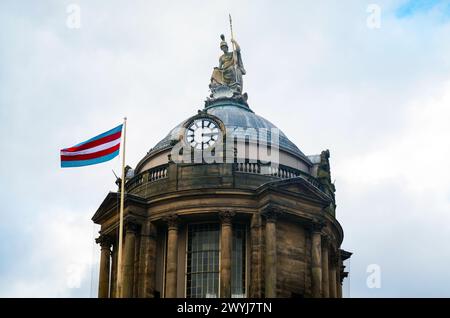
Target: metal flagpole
234,49
122,197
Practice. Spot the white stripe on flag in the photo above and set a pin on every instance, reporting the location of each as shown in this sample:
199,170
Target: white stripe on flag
93,149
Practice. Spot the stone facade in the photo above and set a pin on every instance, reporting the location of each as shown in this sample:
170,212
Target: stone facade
251,225
292,246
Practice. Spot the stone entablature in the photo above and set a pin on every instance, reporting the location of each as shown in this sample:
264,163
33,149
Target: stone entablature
250,175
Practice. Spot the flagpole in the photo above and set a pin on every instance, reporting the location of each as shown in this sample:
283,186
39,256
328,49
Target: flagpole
122,198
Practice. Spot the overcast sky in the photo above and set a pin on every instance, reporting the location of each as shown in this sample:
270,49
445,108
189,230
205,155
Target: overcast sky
378,98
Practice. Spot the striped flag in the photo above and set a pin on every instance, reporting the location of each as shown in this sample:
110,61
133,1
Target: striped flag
98,149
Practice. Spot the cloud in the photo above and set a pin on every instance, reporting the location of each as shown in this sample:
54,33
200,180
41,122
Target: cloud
377,98
55,257
402,192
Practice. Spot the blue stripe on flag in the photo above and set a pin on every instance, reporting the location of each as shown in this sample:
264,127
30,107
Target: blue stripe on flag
81,163
109,132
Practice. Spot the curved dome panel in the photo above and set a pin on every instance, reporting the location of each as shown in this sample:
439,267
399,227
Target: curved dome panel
233,116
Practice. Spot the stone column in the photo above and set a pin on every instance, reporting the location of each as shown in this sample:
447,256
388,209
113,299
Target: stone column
325,270
112,289
226,241
137,251
316,260
256,263
172,256
332,278
105,254
338,277
270,261
147,266
128,263
338,287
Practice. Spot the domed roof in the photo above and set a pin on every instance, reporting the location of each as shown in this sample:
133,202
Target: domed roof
234,115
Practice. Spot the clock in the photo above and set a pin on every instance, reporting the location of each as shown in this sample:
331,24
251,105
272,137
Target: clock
202,133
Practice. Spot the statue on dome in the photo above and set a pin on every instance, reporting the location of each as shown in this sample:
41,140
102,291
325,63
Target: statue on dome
230,70
226,79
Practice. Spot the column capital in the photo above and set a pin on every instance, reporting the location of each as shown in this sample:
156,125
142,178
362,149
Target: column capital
316,226
226,216
131,226
333,257
255,222
172,254
172,221
325,240
271,213
105,241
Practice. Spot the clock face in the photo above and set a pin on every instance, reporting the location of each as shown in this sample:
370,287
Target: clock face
202,133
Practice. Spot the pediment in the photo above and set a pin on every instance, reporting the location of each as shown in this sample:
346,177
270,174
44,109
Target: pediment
299,187
111,201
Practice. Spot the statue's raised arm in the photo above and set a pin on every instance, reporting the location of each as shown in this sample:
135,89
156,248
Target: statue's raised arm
238,57
236,45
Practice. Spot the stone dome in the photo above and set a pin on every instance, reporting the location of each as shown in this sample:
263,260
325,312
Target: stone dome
233,115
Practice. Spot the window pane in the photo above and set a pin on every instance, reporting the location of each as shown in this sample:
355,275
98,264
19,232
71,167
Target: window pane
203,261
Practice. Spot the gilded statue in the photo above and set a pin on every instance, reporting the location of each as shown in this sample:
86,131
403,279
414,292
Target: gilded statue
230,70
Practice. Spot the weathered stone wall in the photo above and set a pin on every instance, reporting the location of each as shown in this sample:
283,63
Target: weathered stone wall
196,193
292,268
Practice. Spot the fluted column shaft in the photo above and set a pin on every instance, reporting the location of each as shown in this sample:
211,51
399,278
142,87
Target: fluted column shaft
338,278
105,255
147,262
325,270
114,258
316,253
332,278
226,241
172,259
270,261
128,264
256,273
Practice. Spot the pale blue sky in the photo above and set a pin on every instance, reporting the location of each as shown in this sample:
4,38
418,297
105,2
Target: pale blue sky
379,99
413,7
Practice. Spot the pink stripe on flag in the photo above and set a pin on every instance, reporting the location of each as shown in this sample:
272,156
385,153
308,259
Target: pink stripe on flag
91,155
91,150
95,142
